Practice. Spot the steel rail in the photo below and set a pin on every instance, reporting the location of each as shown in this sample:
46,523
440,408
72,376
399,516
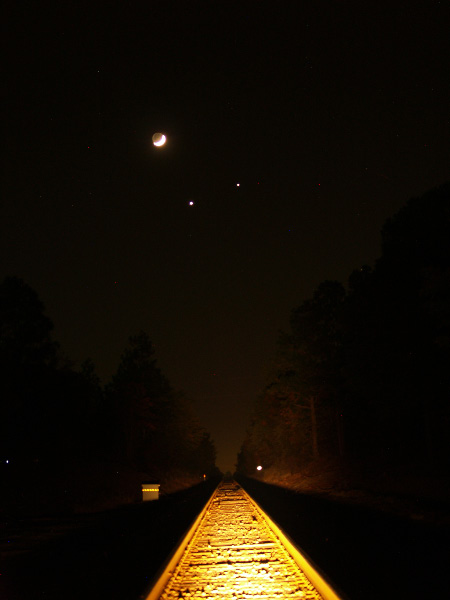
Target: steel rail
312,571
169,567
210,563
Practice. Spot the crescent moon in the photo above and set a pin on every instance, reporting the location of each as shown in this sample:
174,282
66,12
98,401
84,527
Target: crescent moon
159,139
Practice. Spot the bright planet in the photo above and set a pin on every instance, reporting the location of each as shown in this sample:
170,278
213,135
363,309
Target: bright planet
158,139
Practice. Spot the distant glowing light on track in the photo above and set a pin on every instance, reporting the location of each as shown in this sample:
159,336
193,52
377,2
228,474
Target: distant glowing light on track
259,468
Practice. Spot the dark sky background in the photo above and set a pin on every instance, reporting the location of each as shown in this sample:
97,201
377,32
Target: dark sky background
330,116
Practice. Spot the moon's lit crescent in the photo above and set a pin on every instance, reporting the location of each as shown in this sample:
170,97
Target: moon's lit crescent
158,139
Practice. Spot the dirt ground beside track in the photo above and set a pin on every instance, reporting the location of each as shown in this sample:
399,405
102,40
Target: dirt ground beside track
402,492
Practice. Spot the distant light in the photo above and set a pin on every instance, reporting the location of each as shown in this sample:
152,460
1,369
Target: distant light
191,203
7,462
259,468
238,185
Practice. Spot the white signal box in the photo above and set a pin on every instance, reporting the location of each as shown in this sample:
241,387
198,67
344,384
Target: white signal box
150,491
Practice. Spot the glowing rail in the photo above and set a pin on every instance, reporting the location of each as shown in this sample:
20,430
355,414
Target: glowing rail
234,550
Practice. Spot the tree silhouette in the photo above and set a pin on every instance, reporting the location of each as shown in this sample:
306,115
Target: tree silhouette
25,332
27,354
398,332
156,429
374,359
137,392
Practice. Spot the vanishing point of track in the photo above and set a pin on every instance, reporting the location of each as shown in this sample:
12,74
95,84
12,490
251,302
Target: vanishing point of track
234,551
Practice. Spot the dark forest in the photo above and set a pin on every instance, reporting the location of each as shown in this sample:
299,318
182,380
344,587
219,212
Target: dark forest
69,443
361,383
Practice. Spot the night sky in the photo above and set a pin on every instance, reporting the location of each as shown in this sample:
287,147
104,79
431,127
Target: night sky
330,116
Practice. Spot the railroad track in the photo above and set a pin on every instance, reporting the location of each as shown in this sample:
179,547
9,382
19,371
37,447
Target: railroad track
235,551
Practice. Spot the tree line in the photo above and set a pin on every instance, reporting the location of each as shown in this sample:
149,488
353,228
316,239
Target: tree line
364,371
58,418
